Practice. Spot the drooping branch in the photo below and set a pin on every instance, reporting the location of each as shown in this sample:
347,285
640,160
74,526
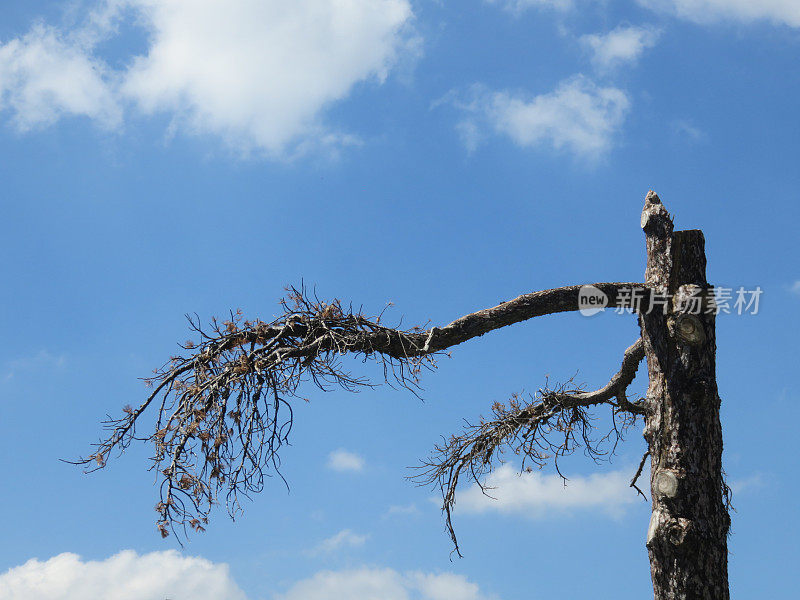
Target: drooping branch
223,410
553,423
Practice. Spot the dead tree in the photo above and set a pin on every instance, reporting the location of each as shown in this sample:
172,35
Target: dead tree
223,409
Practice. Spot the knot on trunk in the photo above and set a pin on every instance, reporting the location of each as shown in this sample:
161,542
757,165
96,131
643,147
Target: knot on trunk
687,329
679,531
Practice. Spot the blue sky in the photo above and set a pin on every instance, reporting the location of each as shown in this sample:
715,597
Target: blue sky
163,157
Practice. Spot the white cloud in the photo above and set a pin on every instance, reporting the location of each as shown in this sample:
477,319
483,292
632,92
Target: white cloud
534,494
578,116
446,586
124,576
786,12
159,575
44,77
344,539
342,460
257,73
261,71
383,584
796,288
622,45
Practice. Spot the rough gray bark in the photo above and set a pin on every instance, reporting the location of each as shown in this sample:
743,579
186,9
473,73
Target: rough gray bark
687,536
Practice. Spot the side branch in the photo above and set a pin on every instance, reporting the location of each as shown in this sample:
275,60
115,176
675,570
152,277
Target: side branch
617,386
553,423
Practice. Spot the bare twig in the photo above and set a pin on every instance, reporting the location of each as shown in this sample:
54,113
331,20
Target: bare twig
638,474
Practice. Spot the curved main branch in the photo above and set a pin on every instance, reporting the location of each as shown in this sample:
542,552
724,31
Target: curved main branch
521,308
415,342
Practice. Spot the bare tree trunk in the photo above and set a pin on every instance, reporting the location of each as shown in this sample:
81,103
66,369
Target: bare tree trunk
687,537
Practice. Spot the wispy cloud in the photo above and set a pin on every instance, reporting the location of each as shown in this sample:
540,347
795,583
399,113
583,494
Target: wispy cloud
579,117
796,287
41,362
470,134
623,45
519,6
344,539
783,12
384,583
687,131
257,73
749,483
535,494
342,460
124,575
409,509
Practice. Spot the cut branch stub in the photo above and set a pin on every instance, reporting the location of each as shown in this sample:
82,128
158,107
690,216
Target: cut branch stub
665,483
687,328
